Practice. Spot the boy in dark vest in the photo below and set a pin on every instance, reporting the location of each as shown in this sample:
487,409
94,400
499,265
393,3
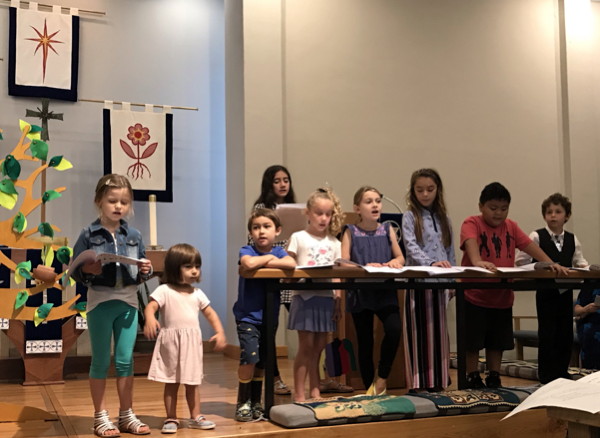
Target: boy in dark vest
555,306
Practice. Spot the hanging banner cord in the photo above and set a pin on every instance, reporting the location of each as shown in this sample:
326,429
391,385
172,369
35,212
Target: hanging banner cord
188,108
81,11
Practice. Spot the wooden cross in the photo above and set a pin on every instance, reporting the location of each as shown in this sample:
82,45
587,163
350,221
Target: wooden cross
45,115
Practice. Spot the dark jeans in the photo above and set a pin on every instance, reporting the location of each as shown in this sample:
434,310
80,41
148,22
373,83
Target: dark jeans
363,323
555,333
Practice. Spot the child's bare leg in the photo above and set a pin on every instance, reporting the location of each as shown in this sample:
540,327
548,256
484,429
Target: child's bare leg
302,364
493,359
246,372
192,395
170,396
472,361
320,341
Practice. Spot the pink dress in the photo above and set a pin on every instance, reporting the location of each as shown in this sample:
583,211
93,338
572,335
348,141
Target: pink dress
177,354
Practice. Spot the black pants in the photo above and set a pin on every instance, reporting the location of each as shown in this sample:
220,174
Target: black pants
555,333
363,323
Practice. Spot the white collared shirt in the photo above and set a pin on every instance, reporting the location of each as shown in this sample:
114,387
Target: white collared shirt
578,260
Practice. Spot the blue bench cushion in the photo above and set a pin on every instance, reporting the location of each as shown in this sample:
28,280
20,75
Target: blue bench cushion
362,408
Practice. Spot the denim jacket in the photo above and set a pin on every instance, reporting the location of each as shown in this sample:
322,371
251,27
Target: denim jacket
98,238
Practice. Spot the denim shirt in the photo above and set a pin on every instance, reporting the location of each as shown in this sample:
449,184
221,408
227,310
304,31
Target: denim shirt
96,237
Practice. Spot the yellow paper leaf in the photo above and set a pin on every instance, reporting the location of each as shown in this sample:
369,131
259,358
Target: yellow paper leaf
23,124
63,165
34,135
37,320
18,278
8,201
83,314
49,255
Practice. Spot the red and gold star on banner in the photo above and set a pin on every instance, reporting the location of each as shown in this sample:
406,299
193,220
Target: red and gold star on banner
44,41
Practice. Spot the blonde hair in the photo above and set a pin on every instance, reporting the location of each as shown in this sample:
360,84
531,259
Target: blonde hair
109,182
337,216
364,189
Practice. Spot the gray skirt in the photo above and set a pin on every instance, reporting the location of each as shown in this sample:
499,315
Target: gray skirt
312,315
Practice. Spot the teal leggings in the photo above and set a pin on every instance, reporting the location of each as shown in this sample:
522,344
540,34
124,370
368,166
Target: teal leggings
118,318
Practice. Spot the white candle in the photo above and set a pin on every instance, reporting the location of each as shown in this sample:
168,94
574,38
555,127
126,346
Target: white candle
152,216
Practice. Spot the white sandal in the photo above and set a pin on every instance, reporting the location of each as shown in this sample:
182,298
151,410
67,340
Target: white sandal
129,423
102,424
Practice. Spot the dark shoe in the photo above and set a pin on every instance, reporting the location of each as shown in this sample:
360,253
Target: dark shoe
474,381
243,411
258,412
493,380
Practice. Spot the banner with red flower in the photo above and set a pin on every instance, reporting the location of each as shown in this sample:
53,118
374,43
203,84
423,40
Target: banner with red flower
43,52
139,144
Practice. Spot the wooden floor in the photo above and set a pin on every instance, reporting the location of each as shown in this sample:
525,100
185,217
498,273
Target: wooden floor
71,404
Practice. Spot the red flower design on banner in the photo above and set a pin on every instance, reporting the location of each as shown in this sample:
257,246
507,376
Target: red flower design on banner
138,135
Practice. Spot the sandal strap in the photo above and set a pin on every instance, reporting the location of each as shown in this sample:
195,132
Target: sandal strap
102,423
129,422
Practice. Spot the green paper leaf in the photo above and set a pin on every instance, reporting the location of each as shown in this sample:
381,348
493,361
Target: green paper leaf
21,299
63,254
22,271
39,149
55,161
63,165
19,223
81,306
35,128
8,187
44,310
8,201
49,195
11,167
45,229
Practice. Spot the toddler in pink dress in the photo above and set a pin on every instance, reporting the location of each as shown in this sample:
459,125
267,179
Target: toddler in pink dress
177,357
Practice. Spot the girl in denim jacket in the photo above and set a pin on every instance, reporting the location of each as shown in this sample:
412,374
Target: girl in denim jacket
112,301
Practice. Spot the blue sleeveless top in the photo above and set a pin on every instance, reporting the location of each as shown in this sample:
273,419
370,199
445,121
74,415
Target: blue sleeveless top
370,247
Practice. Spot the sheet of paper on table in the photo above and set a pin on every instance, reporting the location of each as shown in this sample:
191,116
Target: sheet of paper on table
579,394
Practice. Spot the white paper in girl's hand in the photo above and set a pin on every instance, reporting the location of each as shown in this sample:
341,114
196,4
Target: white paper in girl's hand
90,256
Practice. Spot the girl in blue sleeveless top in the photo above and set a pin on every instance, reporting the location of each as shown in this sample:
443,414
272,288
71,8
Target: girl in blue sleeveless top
374,244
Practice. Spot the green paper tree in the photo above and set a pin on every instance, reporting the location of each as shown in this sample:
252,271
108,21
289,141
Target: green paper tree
16,194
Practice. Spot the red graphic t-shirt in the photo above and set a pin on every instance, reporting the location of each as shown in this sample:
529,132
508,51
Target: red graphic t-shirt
496,245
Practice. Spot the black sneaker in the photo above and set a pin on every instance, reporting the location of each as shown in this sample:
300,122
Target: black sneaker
474,381
243,411
493,380
258,413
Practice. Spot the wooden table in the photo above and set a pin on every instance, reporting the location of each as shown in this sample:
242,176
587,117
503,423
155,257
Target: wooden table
318,279
580,424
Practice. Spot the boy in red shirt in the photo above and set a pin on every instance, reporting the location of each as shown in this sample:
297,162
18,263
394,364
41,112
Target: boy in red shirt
489,241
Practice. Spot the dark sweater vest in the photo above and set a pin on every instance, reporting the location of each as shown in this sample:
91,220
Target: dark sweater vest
564,257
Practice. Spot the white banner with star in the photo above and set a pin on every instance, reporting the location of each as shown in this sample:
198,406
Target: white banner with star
43,52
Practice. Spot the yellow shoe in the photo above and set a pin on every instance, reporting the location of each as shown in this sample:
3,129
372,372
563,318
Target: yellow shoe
371,390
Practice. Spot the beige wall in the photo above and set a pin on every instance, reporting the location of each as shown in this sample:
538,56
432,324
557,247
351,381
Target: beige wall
349,92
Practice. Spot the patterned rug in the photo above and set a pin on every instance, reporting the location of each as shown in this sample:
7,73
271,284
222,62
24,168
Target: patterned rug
359,406
522,368
466,399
